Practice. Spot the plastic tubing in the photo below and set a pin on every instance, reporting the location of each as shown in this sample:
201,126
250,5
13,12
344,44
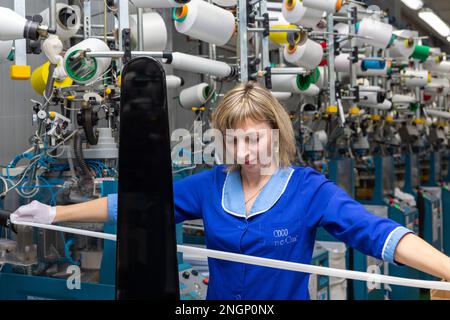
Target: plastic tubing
271,263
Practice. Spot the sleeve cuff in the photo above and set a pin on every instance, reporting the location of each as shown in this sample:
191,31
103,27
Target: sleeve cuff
391,244
112,208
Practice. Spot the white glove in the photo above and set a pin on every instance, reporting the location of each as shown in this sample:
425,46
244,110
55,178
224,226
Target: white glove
34,212
52,47
60,74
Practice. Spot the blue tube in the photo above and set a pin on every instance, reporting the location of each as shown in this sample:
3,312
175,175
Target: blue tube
69,258
19,157
373,64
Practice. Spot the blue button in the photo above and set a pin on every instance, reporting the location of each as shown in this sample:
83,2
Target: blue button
238,297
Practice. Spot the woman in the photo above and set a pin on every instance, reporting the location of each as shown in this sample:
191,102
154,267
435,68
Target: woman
269,209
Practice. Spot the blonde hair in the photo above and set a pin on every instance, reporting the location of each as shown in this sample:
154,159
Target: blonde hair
253,101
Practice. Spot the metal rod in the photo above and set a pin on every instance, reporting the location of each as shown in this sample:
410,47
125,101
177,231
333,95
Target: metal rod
52,14
79,36
87,19
275,29
265,58
124,23
331,74
243,41
140,28
94,26
288,71
20,46
120,54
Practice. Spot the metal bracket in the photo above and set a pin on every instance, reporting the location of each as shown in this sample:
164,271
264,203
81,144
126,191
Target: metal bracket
126,42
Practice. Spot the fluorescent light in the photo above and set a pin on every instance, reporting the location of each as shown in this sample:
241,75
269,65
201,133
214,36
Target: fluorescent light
413,4
435,22
448,39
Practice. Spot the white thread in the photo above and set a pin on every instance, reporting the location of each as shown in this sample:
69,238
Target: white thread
271,263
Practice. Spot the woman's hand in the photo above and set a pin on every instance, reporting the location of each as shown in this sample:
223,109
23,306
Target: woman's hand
34,212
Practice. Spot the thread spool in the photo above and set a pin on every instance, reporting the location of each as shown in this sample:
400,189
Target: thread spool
204,21
39,79
293,83
438,85
385,105
369,67
282,96
421,53
226,3
82,69
415,78
442,67
283,38
285,83
380,32
330,6
308,55
187,62
403,44
296,13
280,38
322,81
155,31
342,29
5,50
371,95
437,113
305,81
342,63
68,20
159,3
174,82
195,96
312,91
403,99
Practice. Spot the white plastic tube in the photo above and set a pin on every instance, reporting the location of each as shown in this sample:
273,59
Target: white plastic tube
201,65
157,3
205,21
265,262
81,232
325,271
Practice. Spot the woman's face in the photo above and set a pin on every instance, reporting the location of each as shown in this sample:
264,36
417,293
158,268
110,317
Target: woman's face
250,145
